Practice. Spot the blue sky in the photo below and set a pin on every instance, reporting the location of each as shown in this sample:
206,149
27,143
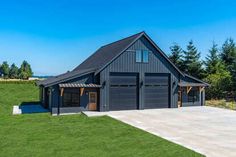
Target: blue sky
57,35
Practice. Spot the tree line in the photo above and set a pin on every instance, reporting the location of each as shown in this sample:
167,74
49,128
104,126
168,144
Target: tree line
218,68
13,72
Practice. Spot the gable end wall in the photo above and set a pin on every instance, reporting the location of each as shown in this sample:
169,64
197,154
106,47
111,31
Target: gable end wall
126,63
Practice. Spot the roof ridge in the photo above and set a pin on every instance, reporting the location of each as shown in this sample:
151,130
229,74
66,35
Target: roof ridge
123,39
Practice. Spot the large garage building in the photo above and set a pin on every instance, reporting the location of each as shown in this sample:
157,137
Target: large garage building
130,74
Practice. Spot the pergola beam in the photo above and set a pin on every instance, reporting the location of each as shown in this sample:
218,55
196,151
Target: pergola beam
189,89
201,89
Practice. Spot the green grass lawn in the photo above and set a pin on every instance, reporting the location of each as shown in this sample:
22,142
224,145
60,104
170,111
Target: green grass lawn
74,135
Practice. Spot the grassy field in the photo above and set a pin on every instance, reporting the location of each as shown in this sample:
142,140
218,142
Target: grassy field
221,104
75,135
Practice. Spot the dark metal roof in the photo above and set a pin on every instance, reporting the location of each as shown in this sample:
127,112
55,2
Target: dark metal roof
189,84
81,85
139,35
102,57
64,77
196,79
106,53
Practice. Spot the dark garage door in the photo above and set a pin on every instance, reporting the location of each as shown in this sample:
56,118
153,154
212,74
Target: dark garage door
123,91
156,92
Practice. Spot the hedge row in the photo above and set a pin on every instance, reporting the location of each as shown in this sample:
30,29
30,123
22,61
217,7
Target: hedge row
18,82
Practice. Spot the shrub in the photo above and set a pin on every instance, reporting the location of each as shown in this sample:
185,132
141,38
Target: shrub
18,82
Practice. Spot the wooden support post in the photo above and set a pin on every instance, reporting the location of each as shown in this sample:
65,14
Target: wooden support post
62,91
201,89
81,91
60,103
188,89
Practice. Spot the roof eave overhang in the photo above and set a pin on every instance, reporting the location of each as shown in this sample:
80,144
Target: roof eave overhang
193,85
194,78
67,79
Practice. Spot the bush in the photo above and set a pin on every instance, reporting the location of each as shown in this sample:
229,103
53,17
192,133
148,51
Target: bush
18,82
220,84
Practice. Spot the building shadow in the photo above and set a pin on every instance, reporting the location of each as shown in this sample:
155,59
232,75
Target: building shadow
32,107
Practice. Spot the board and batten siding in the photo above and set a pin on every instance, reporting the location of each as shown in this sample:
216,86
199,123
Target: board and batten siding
126,63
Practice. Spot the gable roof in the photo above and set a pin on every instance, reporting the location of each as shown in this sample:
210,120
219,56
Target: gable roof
106,53
103,57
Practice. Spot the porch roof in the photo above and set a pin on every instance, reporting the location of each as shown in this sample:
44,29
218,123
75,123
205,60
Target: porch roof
190,84
79,85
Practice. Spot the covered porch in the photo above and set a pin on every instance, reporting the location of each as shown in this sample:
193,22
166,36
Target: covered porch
191,94
77,97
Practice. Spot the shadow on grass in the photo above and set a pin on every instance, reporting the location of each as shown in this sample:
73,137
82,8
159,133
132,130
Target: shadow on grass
32,107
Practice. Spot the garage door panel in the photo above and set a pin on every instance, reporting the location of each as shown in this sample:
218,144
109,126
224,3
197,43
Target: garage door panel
120,90
156,90
160,100
156,106
117,107
123,80
123,91
156,93
125,95
155,80
156,96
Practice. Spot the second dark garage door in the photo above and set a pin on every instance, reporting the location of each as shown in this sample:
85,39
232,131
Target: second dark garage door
123,93
156,92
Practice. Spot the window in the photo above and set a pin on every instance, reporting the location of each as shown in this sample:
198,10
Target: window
145,57
71,99
193,96
142,56
138,56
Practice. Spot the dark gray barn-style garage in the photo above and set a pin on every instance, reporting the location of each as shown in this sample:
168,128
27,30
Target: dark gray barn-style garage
129,74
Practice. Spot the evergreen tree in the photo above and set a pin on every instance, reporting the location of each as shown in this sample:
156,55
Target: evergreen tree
213,62
176,56
5,69
192,63
13,73
228,56
25,70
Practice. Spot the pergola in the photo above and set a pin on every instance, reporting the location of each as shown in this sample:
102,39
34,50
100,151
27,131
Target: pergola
189,86
77,85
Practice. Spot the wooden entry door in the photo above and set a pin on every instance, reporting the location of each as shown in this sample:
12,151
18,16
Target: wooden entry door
92,101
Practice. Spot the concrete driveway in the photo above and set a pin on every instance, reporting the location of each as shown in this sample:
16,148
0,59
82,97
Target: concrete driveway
207,130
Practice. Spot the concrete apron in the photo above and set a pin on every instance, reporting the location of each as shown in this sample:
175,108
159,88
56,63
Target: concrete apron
207,130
